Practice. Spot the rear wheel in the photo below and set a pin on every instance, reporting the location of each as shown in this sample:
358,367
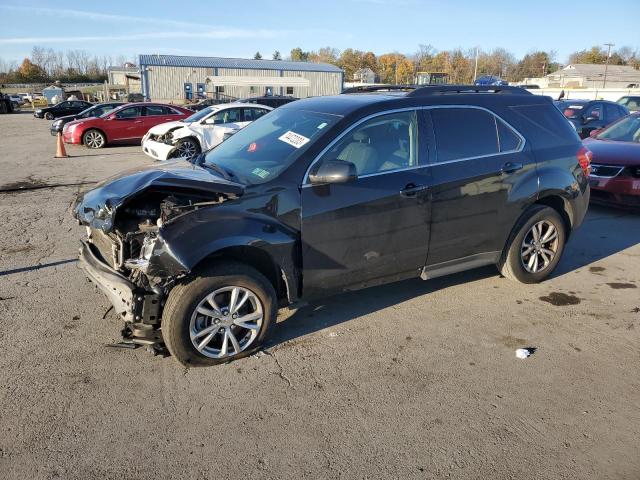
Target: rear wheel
222,314
94,139
187,148
48,116
535,247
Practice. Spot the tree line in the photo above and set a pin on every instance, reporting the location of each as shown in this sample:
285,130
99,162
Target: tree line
459,64
47,65
71,66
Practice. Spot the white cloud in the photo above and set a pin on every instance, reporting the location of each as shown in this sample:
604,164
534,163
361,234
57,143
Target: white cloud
101,17
220,34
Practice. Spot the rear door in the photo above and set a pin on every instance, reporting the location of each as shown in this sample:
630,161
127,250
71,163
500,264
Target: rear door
375,228
478,162
157,114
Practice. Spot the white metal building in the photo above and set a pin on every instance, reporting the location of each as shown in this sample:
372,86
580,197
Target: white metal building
171,78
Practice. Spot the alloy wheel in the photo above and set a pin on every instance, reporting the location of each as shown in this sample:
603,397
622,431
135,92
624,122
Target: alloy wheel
187,149
94,140
226,322
539,246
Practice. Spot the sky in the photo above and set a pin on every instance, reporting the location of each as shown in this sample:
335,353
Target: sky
240,28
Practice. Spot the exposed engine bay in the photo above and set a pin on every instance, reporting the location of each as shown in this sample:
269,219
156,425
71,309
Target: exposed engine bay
129,245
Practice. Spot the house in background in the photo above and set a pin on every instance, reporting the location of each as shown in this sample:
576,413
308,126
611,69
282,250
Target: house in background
364,75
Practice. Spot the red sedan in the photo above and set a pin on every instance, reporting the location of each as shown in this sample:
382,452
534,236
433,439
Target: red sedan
615,166
126,124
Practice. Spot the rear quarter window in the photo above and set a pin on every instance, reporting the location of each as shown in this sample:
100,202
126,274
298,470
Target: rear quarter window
543,125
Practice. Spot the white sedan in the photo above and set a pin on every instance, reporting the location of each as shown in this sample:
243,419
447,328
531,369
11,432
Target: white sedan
201,131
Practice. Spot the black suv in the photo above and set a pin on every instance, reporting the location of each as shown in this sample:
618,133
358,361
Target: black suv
273,101
330,194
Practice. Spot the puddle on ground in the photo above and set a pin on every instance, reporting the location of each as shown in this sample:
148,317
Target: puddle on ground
28,184
618,286
560,299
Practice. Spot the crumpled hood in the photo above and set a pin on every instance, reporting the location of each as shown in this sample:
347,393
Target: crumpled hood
612,152
165,127
97,207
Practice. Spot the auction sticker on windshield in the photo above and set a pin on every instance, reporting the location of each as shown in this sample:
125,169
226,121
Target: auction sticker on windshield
294,139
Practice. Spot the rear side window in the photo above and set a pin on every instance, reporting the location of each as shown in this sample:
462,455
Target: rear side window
611,112
464,133
543,125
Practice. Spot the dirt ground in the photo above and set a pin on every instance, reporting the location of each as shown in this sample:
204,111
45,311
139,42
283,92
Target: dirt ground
411,380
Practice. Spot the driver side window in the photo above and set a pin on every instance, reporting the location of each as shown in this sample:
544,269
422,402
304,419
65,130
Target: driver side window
594,112
131,112
226,116
382,144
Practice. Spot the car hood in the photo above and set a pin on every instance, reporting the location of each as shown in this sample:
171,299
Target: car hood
67,118
612,152
97,207
165,127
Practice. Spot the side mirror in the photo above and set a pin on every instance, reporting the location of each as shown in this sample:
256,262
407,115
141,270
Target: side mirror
333,171
594,133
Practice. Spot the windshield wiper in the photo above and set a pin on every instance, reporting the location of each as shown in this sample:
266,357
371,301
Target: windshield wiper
199,160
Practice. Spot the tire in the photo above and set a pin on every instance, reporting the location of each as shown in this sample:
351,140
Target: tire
181,319
187,148
94,139
49,116
517,262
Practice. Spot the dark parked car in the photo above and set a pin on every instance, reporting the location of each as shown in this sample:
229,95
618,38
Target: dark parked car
62,109
615,178
273,101
196,107
587,116
632,102
329,194
93,111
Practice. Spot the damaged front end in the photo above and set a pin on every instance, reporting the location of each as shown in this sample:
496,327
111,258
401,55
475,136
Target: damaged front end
125,253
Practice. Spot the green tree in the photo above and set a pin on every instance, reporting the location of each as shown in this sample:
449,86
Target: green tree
297,55
276,55
257,56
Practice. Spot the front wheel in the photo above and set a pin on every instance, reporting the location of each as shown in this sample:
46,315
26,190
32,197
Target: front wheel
535,247
94,139
49,116
187,148
223,313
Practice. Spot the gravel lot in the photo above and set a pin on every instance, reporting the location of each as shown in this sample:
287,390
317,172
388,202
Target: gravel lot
412,380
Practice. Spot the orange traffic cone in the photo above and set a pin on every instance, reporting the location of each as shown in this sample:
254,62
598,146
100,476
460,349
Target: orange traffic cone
60,151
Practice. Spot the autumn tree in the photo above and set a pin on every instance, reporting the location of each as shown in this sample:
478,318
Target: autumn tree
325,55
298,55
32,73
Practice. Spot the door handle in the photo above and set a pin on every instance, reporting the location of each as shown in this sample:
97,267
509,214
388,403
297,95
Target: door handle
411,190
511,167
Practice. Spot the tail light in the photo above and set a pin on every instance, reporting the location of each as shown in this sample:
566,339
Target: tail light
584,159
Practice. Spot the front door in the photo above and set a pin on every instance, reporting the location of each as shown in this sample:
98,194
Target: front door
375,228
215,126
127,124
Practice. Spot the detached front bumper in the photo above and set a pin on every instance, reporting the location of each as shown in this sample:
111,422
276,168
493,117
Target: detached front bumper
157,150
118,289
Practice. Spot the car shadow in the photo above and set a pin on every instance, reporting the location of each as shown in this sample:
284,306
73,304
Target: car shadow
604,232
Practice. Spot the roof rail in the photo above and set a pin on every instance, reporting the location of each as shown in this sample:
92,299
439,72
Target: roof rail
379,88
431,90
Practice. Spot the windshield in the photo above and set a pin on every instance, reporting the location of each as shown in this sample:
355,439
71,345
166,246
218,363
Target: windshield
626,130
263,149
196,117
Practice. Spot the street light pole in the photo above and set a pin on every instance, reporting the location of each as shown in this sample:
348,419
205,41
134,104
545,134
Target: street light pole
606,65
475,70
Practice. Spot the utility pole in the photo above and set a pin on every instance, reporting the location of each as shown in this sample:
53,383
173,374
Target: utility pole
606,65
475,70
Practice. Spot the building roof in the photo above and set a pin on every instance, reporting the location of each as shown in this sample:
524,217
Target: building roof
122,69
597,70
219,62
